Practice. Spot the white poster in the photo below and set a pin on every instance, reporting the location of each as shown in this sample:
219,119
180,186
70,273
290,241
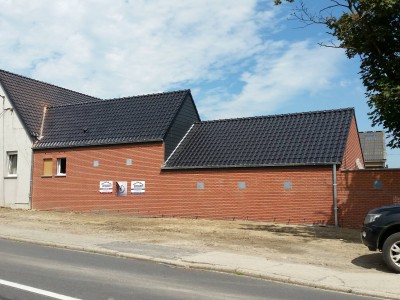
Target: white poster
106,187
138,187
122,188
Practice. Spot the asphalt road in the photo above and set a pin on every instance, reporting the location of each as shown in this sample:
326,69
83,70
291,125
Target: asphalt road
29,271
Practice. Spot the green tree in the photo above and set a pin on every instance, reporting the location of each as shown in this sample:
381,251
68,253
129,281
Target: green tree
369,29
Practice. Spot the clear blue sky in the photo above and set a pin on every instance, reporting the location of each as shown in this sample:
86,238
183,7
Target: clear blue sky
239,57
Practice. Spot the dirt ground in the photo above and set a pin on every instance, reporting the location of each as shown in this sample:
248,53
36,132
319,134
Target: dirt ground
334,247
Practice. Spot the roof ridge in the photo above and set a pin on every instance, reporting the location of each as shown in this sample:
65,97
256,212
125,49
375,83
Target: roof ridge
371,131
49,84
151,94
105,101
76,104
276,116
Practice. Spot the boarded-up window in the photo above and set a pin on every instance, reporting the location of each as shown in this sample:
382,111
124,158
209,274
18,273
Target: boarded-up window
47,167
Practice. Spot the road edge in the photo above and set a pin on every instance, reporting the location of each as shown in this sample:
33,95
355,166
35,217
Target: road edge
205,267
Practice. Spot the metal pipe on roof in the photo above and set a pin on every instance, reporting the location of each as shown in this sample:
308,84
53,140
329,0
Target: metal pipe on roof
335,205
42,124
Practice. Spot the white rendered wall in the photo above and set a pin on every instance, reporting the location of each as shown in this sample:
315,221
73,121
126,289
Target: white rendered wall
14,191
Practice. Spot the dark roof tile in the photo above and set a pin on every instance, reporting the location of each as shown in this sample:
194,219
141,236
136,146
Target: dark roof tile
310,138
124,120
30,96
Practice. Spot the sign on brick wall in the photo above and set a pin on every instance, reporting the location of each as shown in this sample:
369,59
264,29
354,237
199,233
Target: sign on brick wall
122,187
138,187
106,187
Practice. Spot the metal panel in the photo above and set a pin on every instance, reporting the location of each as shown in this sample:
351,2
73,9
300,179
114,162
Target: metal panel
287,185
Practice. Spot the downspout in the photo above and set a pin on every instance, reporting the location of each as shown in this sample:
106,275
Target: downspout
2,154
31,183
335,205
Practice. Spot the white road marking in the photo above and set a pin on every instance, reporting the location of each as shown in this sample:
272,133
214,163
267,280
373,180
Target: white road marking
36,291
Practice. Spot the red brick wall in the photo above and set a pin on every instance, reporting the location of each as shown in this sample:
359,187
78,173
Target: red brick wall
175,193
353,149
357,195
79,189
264,199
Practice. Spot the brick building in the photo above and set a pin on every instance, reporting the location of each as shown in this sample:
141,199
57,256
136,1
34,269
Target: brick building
374,149
151,155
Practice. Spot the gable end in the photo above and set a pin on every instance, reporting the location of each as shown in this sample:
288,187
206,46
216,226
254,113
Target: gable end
184,119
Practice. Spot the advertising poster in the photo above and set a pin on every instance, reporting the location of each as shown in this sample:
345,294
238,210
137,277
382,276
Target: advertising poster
106,187
138,187
122,187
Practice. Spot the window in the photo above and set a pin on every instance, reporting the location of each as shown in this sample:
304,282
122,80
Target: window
47,167
12,159
61,166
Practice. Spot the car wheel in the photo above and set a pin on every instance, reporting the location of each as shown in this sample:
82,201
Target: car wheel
391,252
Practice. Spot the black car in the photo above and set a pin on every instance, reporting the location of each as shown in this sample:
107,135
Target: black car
381,231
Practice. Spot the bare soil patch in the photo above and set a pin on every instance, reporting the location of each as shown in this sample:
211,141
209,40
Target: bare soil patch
326,246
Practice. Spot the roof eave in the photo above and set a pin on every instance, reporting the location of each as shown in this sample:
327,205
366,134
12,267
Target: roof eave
251,166
64,146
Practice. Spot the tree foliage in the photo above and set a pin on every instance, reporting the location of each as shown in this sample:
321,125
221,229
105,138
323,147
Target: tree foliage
369,29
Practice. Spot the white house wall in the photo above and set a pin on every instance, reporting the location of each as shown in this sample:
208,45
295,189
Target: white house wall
14,191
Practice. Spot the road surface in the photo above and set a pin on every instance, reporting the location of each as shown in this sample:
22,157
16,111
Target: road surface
29,271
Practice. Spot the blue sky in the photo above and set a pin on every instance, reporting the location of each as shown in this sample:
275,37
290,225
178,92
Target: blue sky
239,57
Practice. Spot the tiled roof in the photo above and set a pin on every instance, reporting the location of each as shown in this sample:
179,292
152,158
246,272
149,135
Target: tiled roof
373,145
30,96
125,120
312,138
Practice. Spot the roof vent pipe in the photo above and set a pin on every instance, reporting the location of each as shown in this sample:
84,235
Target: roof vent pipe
335,204
42,125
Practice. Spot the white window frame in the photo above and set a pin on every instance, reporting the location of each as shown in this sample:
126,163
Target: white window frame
9,161
59,160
